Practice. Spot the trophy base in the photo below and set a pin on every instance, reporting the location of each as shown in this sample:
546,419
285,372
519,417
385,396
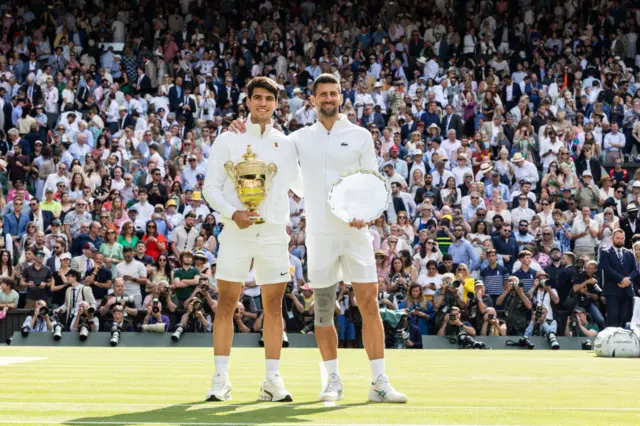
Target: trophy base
257,220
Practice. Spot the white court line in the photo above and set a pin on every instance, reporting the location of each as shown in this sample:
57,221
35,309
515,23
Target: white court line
72,422
259,405
8,360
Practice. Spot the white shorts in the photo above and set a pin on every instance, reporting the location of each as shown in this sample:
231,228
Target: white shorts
340,257
266,244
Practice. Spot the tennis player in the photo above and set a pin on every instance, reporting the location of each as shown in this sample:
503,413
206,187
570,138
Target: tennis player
337,251
241,240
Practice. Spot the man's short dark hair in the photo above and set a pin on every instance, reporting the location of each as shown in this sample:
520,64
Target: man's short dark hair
263,83
447,257
74,273
190,214
326,79
127,249
8,281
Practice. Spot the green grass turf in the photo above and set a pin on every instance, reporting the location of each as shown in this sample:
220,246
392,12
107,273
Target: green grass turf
128,386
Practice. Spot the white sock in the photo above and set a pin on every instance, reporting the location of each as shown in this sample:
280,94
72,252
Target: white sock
273,365
331,366
222,364
377,368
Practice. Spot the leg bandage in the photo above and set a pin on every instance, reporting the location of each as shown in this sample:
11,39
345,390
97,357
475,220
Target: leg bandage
324,305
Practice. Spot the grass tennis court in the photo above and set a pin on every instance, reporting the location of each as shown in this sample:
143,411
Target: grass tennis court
131,386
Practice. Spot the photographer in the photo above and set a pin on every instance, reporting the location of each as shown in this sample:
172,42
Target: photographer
206,293
119,319
540,325
452,325
39,321
516,304
586,293
491,325
477,305
155,316
543,294
84,313
118,298
385,299
410,334
196,320
75,294
579,325
292,310
241,323
160,291
447,297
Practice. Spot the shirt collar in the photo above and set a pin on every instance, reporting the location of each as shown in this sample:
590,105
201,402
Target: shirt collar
254,129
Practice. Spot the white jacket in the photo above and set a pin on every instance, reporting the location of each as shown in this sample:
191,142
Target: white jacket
324,157
272,146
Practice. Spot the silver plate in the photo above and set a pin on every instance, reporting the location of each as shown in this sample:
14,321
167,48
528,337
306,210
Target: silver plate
361,195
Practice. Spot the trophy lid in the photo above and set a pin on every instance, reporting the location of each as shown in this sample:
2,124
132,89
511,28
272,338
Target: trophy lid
250,156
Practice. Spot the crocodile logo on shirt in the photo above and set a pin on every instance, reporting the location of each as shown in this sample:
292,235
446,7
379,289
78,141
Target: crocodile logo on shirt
275,144
344,144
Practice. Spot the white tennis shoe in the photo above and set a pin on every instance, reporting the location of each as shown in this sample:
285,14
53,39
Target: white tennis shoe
333,390
273,389
220,388
382,391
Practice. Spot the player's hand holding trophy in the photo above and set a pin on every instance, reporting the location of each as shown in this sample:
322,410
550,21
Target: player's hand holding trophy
251,178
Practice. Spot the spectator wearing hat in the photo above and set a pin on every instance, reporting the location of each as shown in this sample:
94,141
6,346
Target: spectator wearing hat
84,262
588,194
191,171
398,163
440,175
525,170
579,325
196,205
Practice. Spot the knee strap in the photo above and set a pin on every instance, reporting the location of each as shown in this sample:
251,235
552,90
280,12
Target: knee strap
324,305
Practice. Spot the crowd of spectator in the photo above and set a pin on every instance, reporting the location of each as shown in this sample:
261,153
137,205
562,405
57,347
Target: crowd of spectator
508,132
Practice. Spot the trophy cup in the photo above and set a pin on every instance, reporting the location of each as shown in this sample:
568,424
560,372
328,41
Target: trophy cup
250,178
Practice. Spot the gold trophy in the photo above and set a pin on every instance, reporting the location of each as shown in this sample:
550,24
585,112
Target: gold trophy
251,180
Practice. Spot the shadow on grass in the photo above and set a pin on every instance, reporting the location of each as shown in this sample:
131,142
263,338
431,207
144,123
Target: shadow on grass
211,413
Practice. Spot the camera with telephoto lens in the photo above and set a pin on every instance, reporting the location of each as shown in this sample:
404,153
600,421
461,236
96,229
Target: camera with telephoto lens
25,331
123,300
456,283
44,311
539,311
115,334
543,283
574,323
525,342
468,342
178,333
491,317
553,341
155,303
205,111
471,297
83,327
452,317
289,288
57,328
